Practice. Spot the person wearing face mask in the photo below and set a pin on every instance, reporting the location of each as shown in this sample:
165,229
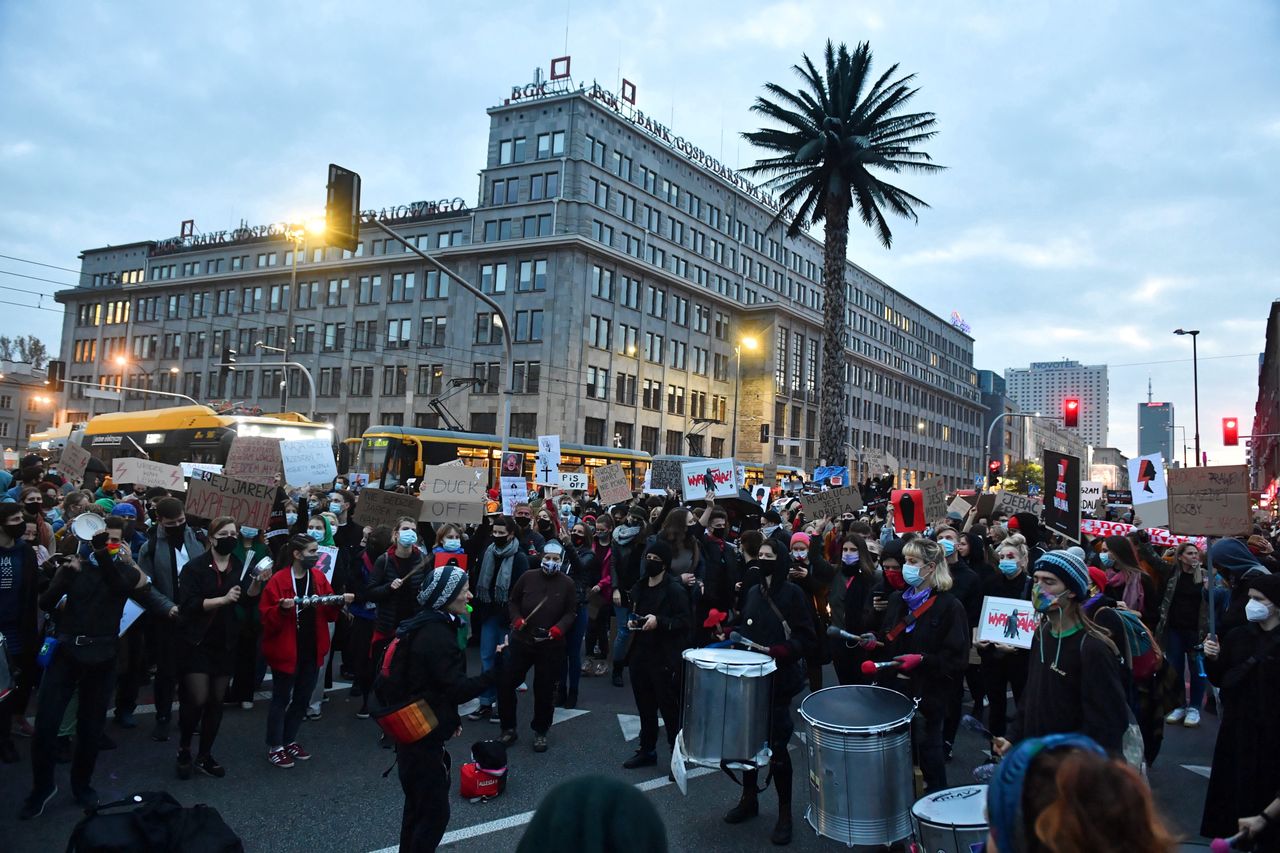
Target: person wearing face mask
449,547
1004,667
247,670
294,641
543,607
926,632
1233,561
627,550
530,540
364,615
1125,581
773,528
393,587
813,575
171,544
32,503
850,597
966,586
1245,667
600,598
501,566
19,586
721,567
888,581
584,571
1074,677
1184,616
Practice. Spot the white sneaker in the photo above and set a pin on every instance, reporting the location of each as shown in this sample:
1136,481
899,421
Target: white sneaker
246,706
1193,718
1177,716
523,688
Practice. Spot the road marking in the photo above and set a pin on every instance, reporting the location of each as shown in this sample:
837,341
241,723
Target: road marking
630,725
260,696
564,715
1197,769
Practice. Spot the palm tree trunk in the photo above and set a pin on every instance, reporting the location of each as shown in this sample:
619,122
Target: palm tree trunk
832,404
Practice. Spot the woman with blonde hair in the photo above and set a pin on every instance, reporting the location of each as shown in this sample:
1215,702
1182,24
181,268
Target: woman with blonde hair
1004,665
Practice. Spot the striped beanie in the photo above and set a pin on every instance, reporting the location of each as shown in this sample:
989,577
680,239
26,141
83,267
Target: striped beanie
1069,568
442,587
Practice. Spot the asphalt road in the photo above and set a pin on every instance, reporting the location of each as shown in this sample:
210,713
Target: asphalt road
338,801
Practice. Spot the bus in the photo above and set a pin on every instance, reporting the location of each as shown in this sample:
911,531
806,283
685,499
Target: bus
49,443
390,455
187,433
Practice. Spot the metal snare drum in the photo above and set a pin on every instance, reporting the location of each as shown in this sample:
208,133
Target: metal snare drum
951,821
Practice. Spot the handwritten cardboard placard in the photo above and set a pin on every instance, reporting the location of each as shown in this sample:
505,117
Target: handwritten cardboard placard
664,474
378,506
935,499
450,493
248,503
693,478
1091,495
255,459
959,505
611,481
145,472
832,503
308,462
1209,501
1011,621
1008,502
573,481
73,462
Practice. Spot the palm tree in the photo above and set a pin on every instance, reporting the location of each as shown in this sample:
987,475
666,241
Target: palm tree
830,137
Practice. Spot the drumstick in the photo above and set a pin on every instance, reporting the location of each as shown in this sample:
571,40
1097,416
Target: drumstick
740,640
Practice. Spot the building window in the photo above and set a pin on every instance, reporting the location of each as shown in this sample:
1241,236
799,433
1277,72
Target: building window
717,448
487,373
437,286
649,440
625,390
628,340
602,232
533,276
434,330
394,379
488,328
595,151
361,381
597,384
526,376
598,329
629,291
330,382
602,283
529,325
674,438
536,226
524,424
593,431
369,290
497,229
675,400
505,191
624,434
430,379
544,186
651,398
656,302
401,287
653,347
357,424
493,278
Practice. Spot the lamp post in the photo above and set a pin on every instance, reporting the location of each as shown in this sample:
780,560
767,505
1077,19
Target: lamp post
122,362
1184,443
1195,385
751,344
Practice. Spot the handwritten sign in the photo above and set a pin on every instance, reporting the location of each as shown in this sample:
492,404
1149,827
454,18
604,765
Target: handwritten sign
959,505
515,490
248,503
611,481
378,506
573,481
144,472
308,462
1011,621
546,470
693,478
1209,501
832,503
453,494
73,462
935,499
254,459
1091,495
665,474
1010,503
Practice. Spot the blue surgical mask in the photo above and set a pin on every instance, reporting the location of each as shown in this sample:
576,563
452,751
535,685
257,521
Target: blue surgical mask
550,566
948,547
1009,567
248,532
335,507
408,538
1107,559
452,543
850,559
316,534
911,574
291,518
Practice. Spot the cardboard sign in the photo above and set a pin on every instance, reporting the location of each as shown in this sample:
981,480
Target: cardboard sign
200,470
1011,621
546,470
512,464
665,474
454,463
573,481
986,505
379,506
73,462
770,476
328,555
960,505
1062,494
908,510
832,503
451,494
880,462
254,459
248,503
935,499
1092,496
308,462
1209,501
1152,514
1011,503
144,472
515,490
611,482
693,479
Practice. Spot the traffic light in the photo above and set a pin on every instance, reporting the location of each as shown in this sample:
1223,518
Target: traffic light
1071,412
342,208
993,472
1230,432
228,363
57,374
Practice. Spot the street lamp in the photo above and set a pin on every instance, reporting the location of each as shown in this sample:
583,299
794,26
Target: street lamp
297,233
751,345
1195,385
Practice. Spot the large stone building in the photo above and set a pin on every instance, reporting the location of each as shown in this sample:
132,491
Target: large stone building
26,406
1044,386
1263,452
633,269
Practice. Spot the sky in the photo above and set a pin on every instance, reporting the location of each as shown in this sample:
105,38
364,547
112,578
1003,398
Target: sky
1110,165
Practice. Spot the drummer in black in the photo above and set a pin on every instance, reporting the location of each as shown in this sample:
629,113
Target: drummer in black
927,641
776,615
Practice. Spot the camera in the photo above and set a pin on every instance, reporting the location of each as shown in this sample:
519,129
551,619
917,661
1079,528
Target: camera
634,621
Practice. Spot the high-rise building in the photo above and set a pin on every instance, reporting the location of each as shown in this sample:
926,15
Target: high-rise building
1007,441
1155,430
1045,385
635,271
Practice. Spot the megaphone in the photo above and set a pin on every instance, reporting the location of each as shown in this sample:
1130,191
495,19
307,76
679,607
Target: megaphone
87,525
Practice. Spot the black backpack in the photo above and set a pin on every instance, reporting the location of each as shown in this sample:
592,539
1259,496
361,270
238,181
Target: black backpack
154,823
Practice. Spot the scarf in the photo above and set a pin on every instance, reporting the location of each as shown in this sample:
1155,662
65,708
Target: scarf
1132,595
913,600
490,570
424,616
623,534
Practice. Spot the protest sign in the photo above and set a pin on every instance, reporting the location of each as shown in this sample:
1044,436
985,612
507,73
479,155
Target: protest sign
1091,496
200,470
770,475
308,462
1119,496
1011,621
908,510
832,503
144,472
450,493
546,470
1010,503
986,505
1209,501
515,490
573,481
760,494
1152,514
1062,494
934,492
838,475
378,506
693,479
880,462
611,482
328,555
959,505
254,459
512,464
665,474
1146,478
454,463
248,503
73,462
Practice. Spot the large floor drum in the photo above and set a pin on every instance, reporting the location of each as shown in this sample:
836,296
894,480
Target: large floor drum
860,772
952,821
727,695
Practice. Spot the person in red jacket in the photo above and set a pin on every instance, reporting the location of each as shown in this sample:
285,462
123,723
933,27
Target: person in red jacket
294,641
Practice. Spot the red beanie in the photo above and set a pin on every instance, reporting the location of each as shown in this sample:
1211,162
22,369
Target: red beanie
802,538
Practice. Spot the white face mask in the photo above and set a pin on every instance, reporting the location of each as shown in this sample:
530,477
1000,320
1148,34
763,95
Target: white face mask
800,555
1256,611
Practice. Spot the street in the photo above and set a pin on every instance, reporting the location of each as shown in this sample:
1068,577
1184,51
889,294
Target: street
339,800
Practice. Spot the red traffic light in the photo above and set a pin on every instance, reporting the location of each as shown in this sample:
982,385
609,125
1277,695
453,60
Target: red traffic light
1230,432
994,465
1071,412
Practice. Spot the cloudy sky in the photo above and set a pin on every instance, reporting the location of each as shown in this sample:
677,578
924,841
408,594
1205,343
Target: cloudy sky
1111,164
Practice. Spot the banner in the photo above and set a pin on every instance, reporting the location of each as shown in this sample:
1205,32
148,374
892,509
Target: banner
664,474
546,469
1062,494
1146,479
248,503
611,483
838,474
1010,621
73,462
934,492
832,503
378,506
1158,536
254,459
694,478
308,462
908,510
144,472
1210,501
450,493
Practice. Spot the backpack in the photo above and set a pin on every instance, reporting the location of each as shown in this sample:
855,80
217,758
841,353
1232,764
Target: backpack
1145,654
156,823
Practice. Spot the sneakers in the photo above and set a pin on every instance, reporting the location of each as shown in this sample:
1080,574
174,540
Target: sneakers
642,758
508,737
484,712
279,757
296,752
209,766
363,713
33,806
539,742
1178,715
246,706
1193,718
184,764
312,716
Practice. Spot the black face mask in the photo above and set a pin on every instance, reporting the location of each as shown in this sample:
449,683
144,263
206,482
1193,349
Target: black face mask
717,532
604,535
309,563
578,538
33,508
224,545
16,531
501,541
522,521
176,533
653,568
544,526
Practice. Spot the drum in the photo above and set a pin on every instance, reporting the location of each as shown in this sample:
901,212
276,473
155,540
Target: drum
860,774
952,821
727,696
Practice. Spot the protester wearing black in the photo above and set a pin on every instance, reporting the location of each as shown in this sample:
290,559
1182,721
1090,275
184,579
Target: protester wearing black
628,547
850,598
19,582
721,567
813,575
584,569
659,618
1004,666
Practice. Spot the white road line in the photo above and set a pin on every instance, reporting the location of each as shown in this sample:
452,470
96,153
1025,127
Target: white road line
261,695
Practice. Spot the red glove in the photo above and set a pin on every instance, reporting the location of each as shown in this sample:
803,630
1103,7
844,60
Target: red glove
909,662
555,633
779,651
518,624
